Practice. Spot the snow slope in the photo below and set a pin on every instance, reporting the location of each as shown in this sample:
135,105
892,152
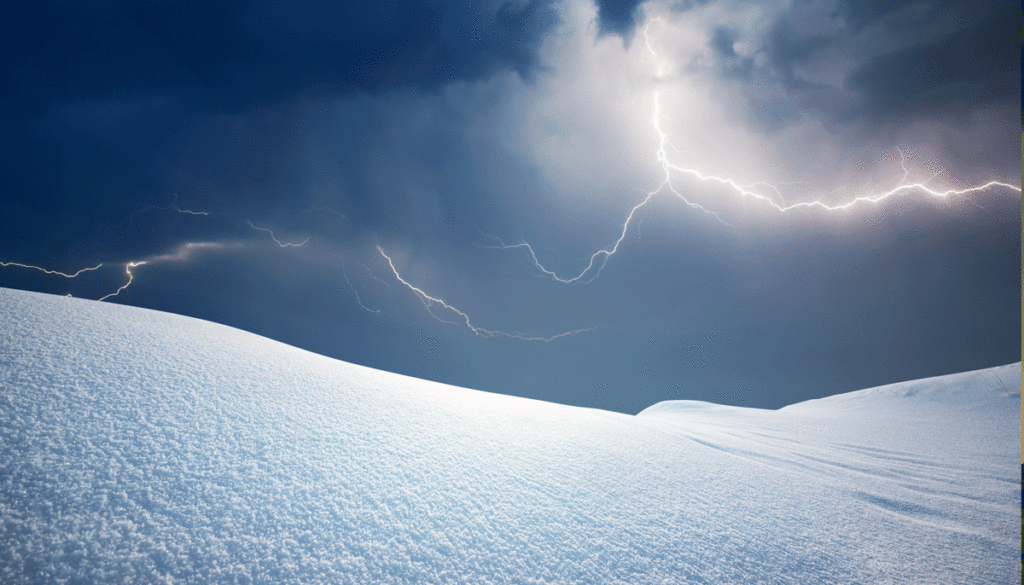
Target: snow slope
138,446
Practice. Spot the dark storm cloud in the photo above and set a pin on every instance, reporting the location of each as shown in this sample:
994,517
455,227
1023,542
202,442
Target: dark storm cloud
969,68
938,60
941,73
421,168
232,55
789,47
617,16
109,107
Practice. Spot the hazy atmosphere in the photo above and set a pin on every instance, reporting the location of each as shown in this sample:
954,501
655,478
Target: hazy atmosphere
601,205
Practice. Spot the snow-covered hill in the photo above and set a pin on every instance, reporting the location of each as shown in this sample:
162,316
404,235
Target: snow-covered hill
143,447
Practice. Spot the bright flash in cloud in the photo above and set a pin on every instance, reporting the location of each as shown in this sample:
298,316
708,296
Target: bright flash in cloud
679,180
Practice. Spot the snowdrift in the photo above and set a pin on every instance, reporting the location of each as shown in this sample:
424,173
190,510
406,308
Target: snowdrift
138,446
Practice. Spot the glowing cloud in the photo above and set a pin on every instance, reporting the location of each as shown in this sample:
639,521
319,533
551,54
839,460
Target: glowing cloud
182,253
757,190
185,251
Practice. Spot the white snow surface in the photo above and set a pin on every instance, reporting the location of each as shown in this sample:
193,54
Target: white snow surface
143,447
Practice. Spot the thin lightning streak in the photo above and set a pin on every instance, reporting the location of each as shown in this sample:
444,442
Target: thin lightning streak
903,164
373,276
430,302
172,207
598,259
5,264
344,273
330,210
128,270
878,198
277,241
185,211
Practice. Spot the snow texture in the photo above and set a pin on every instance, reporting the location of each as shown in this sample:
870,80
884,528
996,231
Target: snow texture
144,447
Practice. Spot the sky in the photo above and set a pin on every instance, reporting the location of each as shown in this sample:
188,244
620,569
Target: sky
604,205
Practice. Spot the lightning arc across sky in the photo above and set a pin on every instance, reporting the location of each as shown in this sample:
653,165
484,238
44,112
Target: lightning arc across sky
599,259
128,270
430,302
172,207
58,273
182,253
277,241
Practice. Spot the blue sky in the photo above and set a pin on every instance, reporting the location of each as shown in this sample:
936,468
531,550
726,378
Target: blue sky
689,141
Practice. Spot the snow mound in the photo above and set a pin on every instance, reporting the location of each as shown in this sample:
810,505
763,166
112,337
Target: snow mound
138,446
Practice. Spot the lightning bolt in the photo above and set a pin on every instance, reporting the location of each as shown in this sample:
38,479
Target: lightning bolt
599,259
128,270
172,207
277,241
780,204
431,302
58,273
344,273
182,253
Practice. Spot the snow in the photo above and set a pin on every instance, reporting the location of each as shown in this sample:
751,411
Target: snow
138,446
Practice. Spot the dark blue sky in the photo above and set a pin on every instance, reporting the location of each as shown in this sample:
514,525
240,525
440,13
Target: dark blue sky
442,131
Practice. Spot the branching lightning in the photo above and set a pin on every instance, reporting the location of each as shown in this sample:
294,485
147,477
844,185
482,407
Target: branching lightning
374,276
182,253
780,204
599,259
344,273
277,241
431,302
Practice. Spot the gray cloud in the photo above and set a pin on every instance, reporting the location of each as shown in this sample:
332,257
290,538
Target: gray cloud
617,16
973,67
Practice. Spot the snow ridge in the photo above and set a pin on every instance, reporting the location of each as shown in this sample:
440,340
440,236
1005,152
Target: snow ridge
138,446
